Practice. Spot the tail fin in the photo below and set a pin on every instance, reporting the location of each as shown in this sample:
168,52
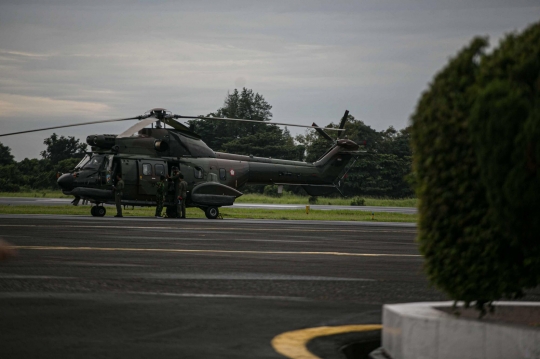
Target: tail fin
332,166
338,155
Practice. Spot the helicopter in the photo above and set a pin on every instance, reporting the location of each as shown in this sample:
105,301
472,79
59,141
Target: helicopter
142,154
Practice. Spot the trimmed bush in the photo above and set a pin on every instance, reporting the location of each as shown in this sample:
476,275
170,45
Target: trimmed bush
475,138
505,129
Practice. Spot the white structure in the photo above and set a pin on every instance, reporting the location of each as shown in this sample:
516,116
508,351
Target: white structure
419,331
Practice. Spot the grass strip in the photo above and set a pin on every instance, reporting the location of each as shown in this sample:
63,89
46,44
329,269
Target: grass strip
36,194
286,198
243,213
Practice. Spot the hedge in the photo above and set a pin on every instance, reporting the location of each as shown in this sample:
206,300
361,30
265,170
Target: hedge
475,162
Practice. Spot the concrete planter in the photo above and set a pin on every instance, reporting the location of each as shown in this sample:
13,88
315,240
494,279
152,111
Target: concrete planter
419,331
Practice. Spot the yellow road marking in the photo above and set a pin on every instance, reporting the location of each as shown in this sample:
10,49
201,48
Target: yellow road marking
165,250
294,344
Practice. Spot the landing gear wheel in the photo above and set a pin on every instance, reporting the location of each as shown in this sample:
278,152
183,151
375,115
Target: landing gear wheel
93,211
100,211
211,212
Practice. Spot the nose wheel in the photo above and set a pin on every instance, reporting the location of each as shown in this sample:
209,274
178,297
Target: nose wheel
98,211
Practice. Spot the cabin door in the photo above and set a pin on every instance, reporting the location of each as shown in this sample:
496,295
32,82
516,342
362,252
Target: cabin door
149,174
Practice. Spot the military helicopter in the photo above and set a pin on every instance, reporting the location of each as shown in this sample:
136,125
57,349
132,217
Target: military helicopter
142,154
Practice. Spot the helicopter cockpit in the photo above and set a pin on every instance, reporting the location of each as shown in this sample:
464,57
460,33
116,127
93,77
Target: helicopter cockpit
91,170
91,163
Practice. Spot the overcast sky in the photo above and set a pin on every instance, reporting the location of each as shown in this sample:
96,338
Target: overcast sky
74,61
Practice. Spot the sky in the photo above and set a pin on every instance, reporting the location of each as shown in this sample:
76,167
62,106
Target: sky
64,62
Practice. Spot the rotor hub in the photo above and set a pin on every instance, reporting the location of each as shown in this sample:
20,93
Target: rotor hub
159,113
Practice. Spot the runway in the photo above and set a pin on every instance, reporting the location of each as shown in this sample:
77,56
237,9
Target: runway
139,288
36,201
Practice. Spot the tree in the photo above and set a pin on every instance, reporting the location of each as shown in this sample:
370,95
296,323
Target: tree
6,158
61,148
315,145
244,105
474,138
379,175
37,174
268,142
265,140
10,178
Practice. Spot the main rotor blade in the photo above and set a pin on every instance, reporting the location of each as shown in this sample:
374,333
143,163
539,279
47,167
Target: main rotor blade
322,133
175,124
342,123
244,120
137,127
180,127
72,125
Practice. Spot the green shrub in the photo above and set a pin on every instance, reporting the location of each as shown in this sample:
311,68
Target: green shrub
271,190
6,186
505,129
313,200
475,155
358,201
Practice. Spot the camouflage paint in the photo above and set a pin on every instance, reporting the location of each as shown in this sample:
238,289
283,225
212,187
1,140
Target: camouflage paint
198,163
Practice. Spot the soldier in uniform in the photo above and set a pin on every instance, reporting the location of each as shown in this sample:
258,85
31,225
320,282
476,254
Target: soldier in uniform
118,189
176,182
160,195
182,188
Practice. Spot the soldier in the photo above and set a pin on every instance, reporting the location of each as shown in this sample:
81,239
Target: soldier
176,180
118,194
160,195
182,188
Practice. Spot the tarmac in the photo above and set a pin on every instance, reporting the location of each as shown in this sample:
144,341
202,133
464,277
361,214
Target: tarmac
91,287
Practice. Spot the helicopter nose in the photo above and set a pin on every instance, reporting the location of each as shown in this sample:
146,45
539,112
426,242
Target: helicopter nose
66,181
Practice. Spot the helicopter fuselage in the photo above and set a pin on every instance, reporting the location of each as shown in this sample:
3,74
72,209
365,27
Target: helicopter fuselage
214,178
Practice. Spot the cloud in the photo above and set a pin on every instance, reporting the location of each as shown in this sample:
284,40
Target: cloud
20,106
23,54
311,59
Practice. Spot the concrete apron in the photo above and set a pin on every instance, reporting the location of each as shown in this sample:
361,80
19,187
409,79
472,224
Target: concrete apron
419,331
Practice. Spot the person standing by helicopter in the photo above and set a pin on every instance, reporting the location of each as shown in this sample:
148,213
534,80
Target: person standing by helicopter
118,194
176,183
182,189
160,195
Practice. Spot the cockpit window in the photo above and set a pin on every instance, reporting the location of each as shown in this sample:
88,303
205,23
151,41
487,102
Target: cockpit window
83,162
94,163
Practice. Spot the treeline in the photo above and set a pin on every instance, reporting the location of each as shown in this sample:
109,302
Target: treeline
61,155
382,171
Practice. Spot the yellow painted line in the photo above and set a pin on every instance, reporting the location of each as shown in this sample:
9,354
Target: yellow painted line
210,229
294,344
165,250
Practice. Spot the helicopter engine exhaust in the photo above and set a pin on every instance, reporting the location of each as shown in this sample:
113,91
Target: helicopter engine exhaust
161,145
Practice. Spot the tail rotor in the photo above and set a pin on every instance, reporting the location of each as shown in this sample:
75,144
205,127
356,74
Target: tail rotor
340,129
342,124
